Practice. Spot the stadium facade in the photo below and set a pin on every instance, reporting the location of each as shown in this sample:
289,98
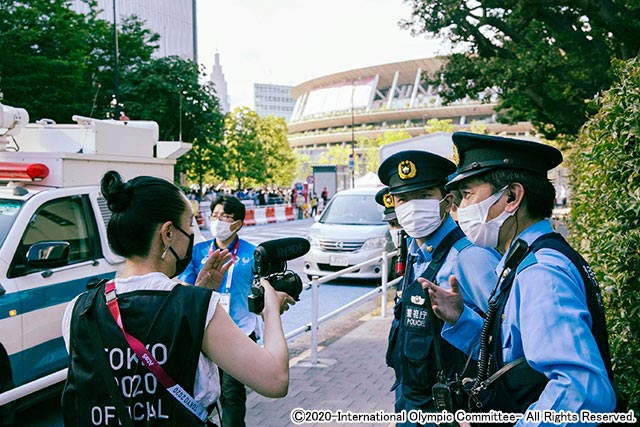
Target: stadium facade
367,102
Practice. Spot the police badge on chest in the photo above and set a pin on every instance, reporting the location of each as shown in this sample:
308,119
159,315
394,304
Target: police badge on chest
415,312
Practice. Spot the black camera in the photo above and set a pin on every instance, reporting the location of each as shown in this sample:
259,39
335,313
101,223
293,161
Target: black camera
270,263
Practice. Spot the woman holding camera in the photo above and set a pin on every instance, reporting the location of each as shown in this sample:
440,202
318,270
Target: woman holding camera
177,331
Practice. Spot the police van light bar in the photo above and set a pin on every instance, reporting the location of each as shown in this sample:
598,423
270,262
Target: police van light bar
23,171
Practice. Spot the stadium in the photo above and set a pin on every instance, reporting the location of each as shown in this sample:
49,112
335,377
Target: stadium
367,102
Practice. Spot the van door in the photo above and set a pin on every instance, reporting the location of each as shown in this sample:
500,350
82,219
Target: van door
44,292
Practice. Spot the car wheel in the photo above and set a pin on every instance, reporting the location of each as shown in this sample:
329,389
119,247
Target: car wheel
8,411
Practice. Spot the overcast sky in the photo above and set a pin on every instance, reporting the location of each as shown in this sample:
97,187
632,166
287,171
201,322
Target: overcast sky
290,41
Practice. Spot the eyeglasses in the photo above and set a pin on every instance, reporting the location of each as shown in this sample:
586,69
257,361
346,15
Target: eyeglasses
223,217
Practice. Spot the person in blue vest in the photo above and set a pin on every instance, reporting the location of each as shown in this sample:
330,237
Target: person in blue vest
227,216
437,249
545,329
145,350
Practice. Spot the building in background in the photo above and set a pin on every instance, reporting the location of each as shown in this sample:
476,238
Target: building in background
220,85
173,20
368,102
273,100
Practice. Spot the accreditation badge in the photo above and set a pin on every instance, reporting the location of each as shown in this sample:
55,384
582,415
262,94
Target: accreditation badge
225,301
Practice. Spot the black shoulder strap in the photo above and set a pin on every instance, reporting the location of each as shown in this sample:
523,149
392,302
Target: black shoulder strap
441,252
592,290
439,256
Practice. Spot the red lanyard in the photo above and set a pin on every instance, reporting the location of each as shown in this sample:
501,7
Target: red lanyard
234,251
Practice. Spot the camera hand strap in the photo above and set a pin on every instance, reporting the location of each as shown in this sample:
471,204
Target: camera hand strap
150,362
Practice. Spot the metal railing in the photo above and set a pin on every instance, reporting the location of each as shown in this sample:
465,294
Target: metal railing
313,326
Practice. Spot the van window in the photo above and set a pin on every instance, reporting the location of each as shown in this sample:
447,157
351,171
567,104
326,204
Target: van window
353,209
8,213
59,220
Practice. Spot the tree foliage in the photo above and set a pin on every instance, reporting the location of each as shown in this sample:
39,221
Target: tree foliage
544,57
605,215
258,151
57,63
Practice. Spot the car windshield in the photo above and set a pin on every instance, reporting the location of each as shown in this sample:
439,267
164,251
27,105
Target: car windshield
8,213
353,209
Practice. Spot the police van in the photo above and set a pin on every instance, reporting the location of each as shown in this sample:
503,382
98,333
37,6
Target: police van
53,241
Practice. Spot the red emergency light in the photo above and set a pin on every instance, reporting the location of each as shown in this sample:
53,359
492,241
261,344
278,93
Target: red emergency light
23,171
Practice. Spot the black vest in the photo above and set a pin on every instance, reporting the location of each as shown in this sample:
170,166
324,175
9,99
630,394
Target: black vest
171,325
411,350
519,387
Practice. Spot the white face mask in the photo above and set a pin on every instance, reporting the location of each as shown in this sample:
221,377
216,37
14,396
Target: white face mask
419,217
221,230
473,221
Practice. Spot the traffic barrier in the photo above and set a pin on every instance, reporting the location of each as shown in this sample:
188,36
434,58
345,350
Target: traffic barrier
271,214
261,216
249,218
289,214
280,214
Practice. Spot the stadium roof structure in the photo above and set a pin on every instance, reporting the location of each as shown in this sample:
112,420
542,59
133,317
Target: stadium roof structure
366,102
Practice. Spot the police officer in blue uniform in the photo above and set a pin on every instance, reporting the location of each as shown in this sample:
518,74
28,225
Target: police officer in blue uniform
437,249
546,310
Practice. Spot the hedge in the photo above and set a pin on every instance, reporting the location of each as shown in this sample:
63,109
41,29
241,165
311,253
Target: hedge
605,216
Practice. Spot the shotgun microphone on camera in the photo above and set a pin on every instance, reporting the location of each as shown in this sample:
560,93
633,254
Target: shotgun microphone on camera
277,252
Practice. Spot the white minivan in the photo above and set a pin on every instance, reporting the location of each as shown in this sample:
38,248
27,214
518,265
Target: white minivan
349,231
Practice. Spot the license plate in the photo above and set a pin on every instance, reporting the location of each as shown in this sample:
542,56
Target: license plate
338,261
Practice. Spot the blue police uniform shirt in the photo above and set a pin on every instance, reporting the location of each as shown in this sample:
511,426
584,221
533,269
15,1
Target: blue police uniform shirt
239,287
546,319
473,266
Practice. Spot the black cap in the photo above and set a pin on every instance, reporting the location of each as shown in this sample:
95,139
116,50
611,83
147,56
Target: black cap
385,199
479,153
414,170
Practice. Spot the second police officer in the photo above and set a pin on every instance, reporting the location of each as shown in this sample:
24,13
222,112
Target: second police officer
437,250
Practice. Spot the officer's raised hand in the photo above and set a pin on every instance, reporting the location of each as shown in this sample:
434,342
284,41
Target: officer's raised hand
447,305
213,270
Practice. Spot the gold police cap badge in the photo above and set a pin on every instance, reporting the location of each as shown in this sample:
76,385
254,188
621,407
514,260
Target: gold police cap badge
407,169
456,156
387,199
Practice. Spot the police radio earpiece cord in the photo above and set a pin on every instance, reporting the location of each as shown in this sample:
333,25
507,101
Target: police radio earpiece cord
516,254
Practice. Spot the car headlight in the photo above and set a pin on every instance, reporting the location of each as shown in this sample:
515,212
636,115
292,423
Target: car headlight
375,243
313,241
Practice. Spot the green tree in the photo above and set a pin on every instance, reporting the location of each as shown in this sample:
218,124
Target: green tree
281,160
437,125
42,63
246,155
605,216
58,63
544,58
167,90
370,148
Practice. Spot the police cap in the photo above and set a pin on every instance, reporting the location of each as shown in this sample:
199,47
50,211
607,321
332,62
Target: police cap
414,170
479,153
385,199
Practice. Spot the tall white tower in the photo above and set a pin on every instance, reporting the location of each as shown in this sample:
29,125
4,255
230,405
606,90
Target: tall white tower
220,85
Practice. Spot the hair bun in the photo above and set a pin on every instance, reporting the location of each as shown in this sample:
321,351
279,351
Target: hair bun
115,191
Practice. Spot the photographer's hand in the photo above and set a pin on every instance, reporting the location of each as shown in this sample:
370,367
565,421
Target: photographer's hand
212,272
276,298
447,305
